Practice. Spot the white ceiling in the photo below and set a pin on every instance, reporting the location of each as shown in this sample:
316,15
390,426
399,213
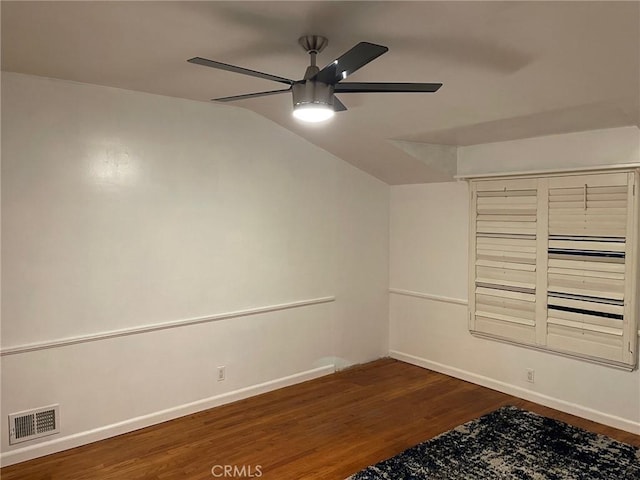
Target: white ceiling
510,69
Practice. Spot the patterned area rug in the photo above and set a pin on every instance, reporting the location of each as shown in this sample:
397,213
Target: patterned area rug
512,444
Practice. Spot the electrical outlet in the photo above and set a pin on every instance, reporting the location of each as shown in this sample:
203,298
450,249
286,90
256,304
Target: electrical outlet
221,373
531,375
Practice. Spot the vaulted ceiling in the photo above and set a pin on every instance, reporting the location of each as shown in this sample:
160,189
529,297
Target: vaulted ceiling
510,69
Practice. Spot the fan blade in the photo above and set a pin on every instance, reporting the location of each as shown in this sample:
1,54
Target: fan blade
250,95
338,106
349,62
232,68
386,87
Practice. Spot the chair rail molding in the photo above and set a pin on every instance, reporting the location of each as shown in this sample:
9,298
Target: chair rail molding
63,342
429,296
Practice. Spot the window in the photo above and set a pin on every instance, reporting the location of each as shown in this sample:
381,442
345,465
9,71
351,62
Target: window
552,264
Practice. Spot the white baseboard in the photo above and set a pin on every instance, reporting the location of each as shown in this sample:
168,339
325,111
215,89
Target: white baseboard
547,401
71,441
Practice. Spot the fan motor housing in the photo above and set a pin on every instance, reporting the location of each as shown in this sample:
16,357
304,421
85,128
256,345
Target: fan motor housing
312,92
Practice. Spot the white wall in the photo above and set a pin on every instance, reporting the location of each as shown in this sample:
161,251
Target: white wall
612,146
428,259
122,209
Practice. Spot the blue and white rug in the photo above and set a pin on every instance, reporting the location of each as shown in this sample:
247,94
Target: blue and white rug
511,443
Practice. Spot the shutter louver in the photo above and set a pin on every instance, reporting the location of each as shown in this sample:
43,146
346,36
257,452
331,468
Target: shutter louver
505,260
588,219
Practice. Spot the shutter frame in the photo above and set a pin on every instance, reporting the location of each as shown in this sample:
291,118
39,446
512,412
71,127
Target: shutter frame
576,268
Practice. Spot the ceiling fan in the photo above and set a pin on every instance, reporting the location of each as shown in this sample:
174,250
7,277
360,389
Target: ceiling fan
314,97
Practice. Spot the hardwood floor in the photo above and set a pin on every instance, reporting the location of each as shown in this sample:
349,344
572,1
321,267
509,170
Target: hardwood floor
327,428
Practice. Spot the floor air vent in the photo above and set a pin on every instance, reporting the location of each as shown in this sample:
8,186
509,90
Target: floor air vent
31,424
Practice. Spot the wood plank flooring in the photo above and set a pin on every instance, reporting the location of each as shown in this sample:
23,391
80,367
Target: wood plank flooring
327,429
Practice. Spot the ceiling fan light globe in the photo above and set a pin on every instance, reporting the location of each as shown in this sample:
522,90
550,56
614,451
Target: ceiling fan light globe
313,112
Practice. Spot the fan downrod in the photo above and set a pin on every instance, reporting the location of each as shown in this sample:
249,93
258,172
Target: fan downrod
313,43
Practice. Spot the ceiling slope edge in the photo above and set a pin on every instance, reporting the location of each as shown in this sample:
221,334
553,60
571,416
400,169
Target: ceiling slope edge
441,158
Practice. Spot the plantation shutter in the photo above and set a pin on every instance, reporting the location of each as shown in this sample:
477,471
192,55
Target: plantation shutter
552,264
590,225
504,283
